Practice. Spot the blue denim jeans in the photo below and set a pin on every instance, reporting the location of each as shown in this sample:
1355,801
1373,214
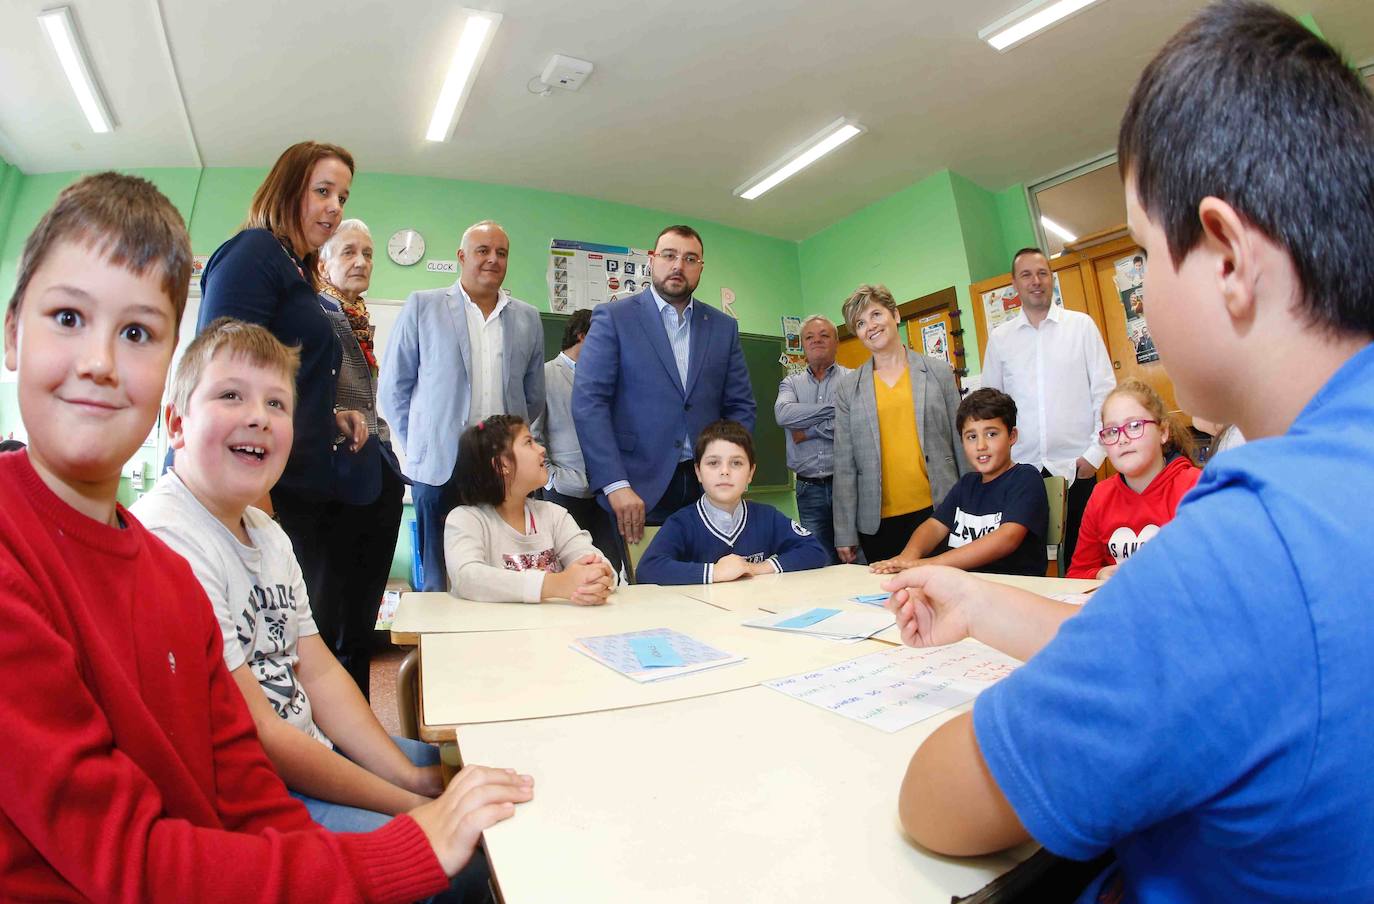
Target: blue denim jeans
470,886
815,513
432,505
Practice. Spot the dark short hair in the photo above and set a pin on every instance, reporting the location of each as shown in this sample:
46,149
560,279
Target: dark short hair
986,404
686,232
480,449
1031,249
576,330
1247,105
10,445
122,218
730,431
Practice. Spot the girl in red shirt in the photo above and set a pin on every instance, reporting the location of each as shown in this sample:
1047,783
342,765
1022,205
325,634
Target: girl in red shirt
1152,453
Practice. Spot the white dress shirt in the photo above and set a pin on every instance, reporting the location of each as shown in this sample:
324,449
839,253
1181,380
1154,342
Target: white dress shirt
1059,375
486,340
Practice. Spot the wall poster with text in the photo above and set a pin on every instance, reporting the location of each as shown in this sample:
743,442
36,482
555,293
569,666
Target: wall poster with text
584,274
1002,305
1130,289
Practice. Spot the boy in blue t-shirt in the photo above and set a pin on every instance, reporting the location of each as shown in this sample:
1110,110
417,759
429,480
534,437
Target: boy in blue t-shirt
722,537
1205,715
996,516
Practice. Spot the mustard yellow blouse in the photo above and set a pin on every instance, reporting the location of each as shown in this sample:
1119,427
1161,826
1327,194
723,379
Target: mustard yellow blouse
906,485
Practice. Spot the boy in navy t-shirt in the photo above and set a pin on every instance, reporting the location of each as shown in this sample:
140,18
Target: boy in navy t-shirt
995,518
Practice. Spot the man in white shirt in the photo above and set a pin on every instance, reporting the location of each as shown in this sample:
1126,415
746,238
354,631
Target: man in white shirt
1053,363
456,357
556,431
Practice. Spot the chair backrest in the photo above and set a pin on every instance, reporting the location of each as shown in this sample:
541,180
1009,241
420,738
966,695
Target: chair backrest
1056,490
635,552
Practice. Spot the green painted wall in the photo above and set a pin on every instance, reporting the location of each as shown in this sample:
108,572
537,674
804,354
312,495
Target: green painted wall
762,271
910,241
10,179
943,231
1017,229
980,224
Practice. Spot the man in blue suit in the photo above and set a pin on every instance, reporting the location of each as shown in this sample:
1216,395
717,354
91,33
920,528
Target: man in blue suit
456,357
655,369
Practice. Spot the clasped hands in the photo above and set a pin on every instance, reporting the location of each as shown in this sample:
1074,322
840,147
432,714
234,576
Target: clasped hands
586,582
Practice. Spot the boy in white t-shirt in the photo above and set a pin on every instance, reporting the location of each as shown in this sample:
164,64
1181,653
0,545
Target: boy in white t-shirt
229,422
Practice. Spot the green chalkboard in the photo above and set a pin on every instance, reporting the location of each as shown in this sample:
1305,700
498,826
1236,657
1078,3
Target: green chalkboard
765,373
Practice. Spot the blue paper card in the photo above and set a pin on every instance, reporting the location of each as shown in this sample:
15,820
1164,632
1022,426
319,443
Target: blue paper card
655,652
807,619
871,599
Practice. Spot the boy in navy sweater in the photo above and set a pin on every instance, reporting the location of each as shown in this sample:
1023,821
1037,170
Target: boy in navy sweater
722,537
996,517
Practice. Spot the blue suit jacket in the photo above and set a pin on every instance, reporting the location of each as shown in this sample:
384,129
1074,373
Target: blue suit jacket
631,408
425,390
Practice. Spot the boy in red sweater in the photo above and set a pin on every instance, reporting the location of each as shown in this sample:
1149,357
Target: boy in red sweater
133,770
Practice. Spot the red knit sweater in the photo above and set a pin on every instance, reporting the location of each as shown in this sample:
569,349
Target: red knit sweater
132,770
1118,519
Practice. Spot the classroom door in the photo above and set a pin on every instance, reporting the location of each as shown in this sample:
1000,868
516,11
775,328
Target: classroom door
932,334
1128,343
851,353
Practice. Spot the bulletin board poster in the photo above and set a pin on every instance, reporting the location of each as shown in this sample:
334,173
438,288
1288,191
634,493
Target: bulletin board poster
791,335
935,340
1130,288
1002,305
584,274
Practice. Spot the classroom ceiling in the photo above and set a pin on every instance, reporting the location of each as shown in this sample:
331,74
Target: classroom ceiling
686,103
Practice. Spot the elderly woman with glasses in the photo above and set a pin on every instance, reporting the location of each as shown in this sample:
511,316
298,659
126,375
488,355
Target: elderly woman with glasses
896,445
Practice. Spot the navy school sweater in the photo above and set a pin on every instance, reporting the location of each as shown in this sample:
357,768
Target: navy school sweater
687,547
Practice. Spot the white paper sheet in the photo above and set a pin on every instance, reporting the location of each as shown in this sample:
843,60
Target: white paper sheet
897,688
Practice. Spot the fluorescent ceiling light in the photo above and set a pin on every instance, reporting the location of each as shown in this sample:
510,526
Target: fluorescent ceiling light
60,28
1058,230
1029,20
462,71
813,149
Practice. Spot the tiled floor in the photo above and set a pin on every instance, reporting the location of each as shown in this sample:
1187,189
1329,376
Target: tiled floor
383,692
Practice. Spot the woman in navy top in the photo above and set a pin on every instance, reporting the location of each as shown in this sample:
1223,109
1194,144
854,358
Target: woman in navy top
267,274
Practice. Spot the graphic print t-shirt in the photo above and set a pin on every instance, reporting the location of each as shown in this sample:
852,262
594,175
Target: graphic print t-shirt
974,509
257,591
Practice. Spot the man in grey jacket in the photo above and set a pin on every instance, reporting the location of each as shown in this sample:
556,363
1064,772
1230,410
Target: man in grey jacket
557,433
456,357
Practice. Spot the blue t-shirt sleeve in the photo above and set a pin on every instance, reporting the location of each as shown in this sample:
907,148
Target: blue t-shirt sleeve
1025,502
1188,683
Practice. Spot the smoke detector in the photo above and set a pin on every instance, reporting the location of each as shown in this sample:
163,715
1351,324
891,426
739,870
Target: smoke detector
565,72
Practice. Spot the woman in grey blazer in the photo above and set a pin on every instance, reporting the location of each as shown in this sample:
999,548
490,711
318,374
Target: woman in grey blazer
896,447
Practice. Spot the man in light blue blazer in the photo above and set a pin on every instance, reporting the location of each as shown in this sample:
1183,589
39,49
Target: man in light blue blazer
655,369
457,356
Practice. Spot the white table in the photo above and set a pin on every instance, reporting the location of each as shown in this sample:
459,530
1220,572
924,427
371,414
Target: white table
488,677
701,788
443,613
743,796
772,592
